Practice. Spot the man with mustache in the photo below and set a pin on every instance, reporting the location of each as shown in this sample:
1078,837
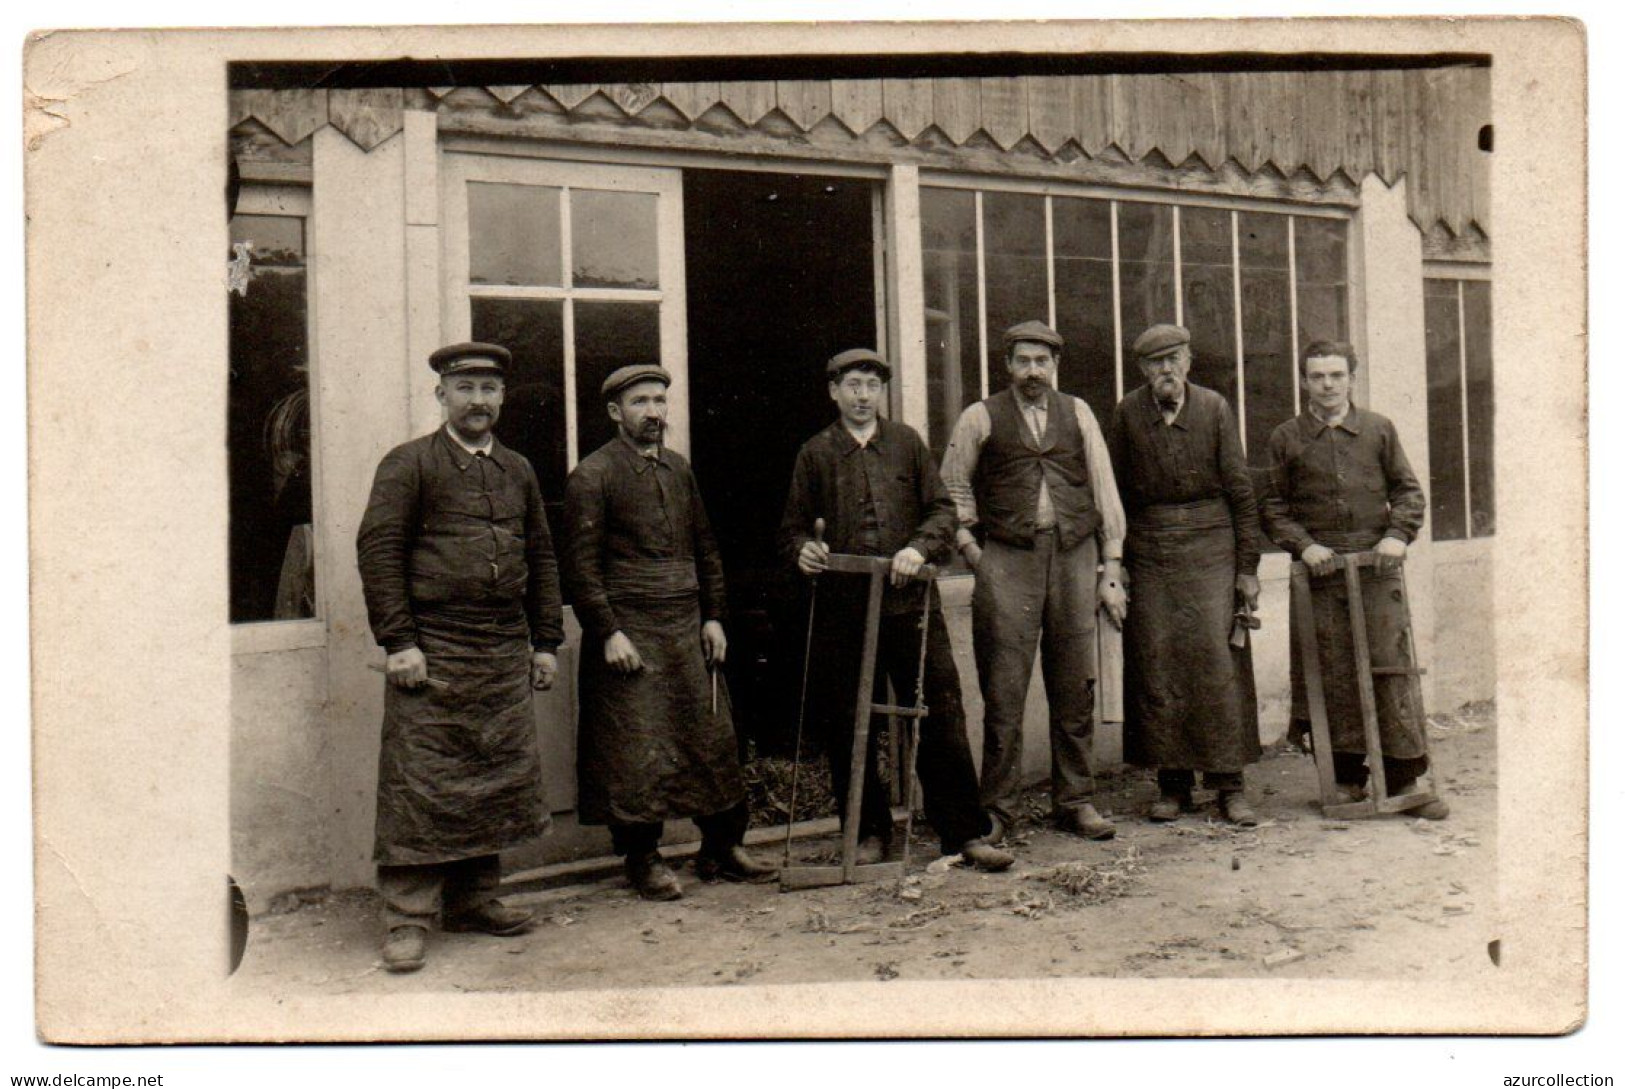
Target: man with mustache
874,484
645,578
1192,561
1340,482
462,591
1041,525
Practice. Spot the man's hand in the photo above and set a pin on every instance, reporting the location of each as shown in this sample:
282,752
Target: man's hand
407,668
1390,555
973,554
1247,587
621,655
1113,596
1319,559
905,565
544,669
813,558
714,642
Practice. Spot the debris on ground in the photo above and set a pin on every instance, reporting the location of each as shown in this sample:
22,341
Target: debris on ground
1282,956
1093,882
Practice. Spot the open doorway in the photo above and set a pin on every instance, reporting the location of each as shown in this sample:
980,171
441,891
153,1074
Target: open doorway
781,276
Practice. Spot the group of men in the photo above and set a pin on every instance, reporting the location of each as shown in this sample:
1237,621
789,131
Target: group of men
1059,525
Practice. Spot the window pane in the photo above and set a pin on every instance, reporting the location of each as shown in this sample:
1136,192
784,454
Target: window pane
609,335
1210,297
612,237
952,332
1269,370
513,235
1445,469
1322,255
532,417
1145,242
1480,405
268,425
1083,301
1017,273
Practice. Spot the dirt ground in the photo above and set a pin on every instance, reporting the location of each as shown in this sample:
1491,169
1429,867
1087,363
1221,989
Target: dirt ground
1298,896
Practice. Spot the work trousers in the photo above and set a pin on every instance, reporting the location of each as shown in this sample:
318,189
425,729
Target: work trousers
1349,768
1182,780
944,764
413,894
1039,600
719,833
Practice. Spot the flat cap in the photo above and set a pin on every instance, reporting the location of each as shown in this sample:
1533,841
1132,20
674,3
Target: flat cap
1160,340
1035,331
470,356
853,358
628,376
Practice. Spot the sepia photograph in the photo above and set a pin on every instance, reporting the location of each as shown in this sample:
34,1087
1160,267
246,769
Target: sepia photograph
704,528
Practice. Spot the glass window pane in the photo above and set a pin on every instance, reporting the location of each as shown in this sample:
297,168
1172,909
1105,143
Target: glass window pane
1083,302
1145,240
268,426
609,335
1480,405
1269,370
1445,469
1322,256
952,330
1208,281
513,235
532,417
1017,274
613,239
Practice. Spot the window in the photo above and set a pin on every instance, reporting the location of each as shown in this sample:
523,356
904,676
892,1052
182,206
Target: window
272,546
1461,408
570,267
1250,285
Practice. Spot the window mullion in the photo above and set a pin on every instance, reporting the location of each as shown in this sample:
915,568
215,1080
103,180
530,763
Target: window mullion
1179,275
1117,306
1466,424
1292,306
1235,280
981,295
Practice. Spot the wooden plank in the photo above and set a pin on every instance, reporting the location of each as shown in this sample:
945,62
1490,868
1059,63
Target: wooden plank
1303,619
1049,111
1329,114
691,99
1091,112
291,115
1004,109
1244,100
1201,95
1389,132
634,98
1359,149
861,725
908,106
750,100
1362,683
570,95
804,101
857,103
506,93
367,115
957,106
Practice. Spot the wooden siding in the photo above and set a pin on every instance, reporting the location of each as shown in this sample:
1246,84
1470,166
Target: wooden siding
1420,124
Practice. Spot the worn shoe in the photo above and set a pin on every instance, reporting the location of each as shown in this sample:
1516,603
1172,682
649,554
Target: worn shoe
984,856
1350,792
1436,810
873,849
491,917
1087,822
653,879
997,829
1237,810
403,948
735,865
1168,807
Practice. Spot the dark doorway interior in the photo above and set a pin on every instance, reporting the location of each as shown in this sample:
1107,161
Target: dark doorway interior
780,274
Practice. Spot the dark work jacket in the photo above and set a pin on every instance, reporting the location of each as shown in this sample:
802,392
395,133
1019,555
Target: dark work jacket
633,522
833,477
463,540
1012,463
1344,487
1195,459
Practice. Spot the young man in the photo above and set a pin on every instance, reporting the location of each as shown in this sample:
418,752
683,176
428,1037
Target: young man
645,579
1341,483
1191,558
1029,472
873,483
463,593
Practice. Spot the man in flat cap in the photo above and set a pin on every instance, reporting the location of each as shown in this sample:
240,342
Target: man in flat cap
462,591
1192,563
1041,525
1340,482
874,484
645,577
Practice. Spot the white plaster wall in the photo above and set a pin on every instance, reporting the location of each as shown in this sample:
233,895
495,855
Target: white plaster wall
1464,666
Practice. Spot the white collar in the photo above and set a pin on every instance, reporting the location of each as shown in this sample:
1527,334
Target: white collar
483,448
862,437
